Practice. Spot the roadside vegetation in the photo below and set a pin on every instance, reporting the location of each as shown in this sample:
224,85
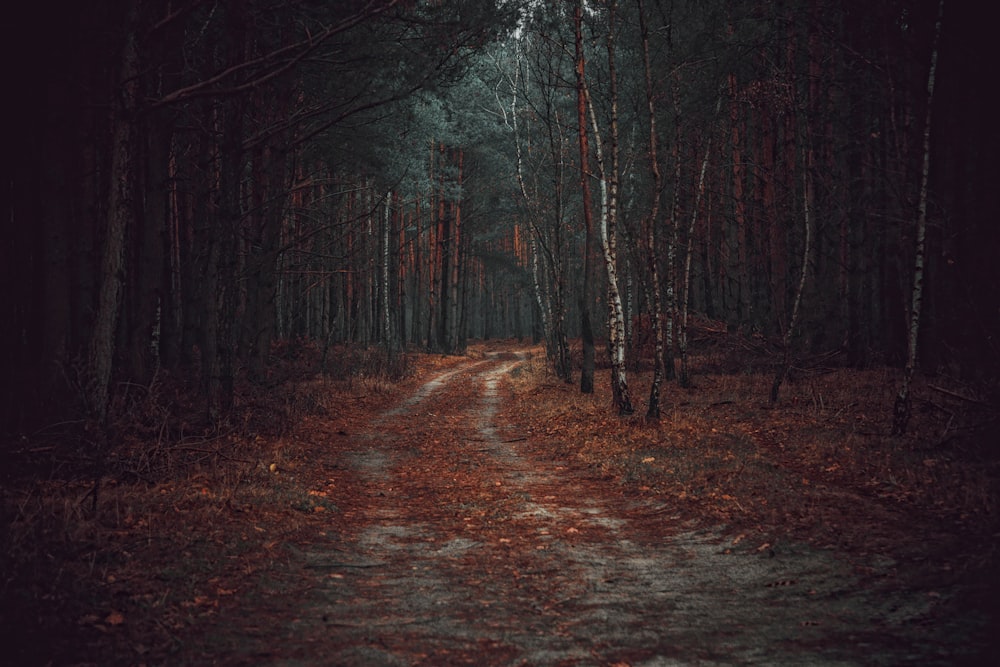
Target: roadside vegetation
128,551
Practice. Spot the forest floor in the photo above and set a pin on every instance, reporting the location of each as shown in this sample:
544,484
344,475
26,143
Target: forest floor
481,512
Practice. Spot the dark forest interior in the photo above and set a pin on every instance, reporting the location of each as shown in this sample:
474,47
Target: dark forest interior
198,193
187,184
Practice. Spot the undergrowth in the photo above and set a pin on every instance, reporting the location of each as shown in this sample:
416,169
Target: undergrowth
130,543
820,465
122,551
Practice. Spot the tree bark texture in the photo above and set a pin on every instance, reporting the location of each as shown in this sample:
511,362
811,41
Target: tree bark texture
609,238
586,327
682,337
901,408
651,223
120,215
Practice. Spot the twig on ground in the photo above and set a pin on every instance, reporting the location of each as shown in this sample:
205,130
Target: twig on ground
959,396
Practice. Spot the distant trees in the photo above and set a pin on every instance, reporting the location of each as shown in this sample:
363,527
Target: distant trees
610,175
650,224
211,189
528,72
803,186
187,183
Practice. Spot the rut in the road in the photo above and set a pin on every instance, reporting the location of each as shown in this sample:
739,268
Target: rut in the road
469,548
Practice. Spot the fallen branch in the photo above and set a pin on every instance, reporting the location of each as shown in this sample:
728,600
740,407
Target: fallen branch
955,394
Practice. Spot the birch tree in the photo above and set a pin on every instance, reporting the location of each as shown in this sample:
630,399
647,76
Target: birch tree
807,212
388,340
609,184
609,237
682,334
650,225
901,408
547,267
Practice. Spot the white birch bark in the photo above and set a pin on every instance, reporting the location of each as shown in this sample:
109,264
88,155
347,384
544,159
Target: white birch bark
546,267
386,310
682,337
901,409
543,303
616,314
786,342
653,408
606,233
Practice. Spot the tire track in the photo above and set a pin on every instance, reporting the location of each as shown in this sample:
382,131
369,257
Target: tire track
469,549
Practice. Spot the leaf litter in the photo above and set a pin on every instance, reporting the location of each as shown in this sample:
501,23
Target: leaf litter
476,515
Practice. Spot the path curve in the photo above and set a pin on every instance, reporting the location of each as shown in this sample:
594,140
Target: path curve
460,545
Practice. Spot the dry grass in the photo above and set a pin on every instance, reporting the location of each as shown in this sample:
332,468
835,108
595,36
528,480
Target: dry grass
820,465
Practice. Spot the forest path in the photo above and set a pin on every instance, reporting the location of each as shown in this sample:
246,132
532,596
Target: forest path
456,543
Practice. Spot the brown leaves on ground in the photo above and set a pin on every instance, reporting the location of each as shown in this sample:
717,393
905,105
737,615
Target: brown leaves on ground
819,466
210,522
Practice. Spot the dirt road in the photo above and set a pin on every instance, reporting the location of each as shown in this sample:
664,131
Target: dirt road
456,542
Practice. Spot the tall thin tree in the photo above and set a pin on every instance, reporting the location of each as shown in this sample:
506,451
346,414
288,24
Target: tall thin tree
586,326
609,234
652,261
901,408
120,213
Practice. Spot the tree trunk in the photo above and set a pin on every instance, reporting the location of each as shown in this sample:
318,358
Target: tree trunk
433,252
268,181
901,408
228,221
543,297
682,337
445,240
144,304
586,327
120,212
609,238
417,292
735,227
387,311
174,303
403,266
455,264
807,205
653,409
670,314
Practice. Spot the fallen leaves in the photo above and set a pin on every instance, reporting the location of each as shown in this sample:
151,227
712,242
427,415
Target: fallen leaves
112,619
200,602
764,472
